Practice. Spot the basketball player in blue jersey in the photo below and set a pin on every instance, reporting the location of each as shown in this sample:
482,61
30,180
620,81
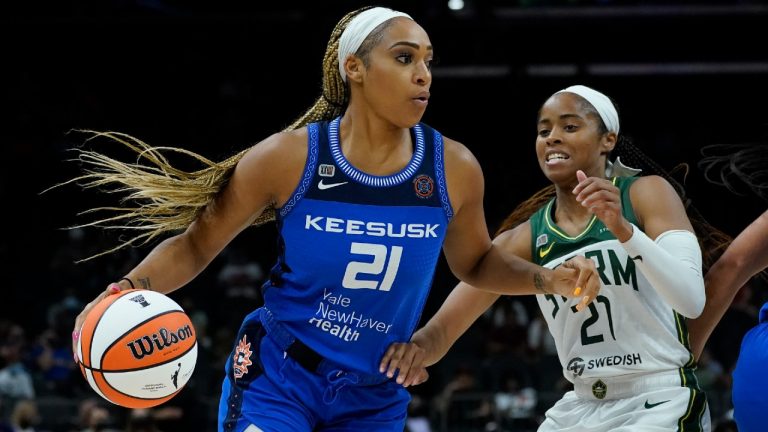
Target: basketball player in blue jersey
365,198
628,356
745,257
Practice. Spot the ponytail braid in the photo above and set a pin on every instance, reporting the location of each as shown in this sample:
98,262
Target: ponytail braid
160,199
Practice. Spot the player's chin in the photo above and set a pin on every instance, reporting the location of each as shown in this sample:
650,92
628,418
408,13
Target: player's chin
558,176
410,118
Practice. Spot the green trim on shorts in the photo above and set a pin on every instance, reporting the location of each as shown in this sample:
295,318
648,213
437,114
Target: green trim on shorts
697,403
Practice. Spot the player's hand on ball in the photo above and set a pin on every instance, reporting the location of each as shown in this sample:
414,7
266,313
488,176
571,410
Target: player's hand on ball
136,348
406,360
113,288
577,278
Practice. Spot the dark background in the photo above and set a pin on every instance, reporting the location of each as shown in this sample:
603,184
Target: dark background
215,77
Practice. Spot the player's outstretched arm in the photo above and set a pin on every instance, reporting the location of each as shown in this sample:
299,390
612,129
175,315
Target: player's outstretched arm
476,260
264,176
459,311
745,257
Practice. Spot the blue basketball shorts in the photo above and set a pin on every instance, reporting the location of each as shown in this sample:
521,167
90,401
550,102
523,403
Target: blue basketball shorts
266,387
750,379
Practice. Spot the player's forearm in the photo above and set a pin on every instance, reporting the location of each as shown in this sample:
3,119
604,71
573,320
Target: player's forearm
748,253
459,311
509,274
170,265
432,339
746,256
722,283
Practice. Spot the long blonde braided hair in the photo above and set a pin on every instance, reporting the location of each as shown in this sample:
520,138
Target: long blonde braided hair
160,199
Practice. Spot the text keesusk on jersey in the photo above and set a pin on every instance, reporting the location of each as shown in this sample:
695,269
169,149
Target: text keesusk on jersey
376,229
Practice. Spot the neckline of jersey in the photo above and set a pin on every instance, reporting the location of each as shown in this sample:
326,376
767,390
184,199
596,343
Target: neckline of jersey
369,179
557,230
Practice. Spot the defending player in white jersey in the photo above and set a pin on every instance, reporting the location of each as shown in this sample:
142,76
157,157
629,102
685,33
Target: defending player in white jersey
627,354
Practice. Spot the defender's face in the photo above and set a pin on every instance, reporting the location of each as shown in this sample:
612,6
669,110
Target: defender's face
396,82
568,139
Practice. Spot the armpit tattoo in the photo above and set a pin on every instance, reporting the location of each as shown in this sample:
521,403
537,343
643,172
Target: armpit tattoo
145,283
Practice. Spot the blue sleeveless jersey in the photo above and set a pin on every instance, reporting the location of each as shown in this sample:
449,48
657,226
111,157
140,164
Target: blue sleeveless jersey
749,378
358,252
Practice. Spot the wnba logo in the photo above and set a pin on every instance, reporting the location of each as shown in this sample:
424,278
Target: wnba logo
140,300
145,345
326,170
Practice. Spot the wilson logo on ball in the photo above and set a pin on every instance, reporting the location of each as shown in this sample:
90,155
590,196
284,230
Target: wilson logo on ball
161,349
162,340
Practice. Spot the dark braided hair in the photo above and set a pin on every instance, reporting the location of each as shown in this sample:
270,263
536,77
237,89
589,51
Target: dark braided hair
738,167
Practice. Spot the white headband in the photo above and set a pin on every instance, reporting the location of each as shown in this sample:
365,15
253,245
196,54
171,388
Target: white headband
602,104
359,28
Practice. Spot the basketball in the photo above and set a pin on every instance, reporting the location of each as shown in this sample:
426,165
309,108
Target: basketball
137,348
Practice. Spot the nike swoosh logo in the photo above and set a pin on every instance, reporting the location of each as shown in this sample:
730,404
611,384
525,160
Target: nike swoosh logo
637,258
545,252
650,405
324,186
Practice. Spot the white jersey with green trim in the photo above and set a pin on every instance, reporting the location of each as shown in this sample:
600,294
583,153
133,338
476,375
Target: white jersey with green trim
628,328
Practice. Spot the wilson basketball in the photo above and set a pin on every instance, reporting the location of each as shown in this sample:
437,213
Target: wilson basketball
137,348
